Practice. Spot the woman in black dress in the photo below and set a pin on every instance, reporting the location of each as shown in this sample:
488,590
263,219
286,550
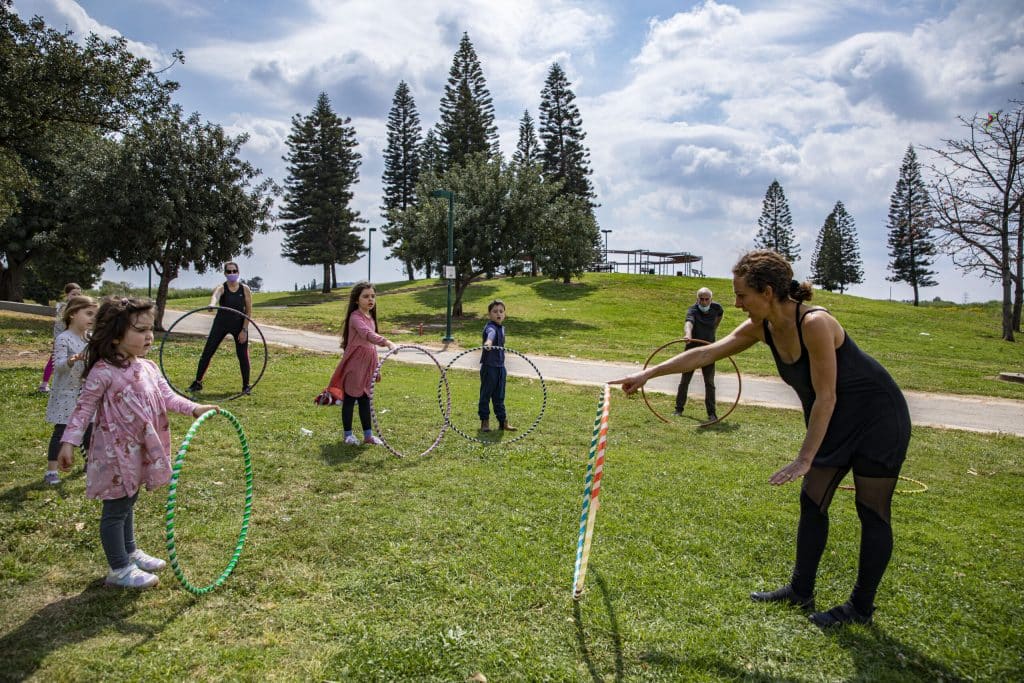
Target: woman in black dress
234,295
856,417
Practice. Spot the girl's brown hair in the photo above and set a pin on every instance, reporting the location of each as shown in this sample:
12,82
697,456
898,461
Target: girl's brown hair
762,268
112,321
353,305
74,305
70,287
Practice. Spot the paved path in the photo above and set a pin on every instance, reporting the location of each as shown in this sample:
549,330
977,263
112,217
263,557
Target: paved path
971,413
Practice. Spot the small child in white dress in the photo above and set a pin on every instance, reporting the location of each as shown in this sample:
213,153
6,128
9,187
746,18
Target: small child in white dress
68,363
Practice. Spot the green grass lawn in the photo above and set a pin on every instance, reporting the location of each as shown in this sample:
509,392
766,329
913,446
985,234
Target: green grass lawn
618,317
361,566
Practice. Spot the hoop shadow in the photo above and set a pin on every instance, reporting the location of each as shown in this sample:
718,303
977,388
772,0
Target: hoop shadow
616,637
72,620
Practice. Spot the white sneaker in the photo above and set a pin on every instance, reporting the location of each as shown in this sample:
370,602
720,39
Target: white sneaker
130,577
52,477
146,563
44,388
351,440
372,441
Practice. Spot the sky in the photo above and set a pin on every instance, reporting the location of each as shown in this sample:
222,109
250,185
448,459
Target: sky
691,110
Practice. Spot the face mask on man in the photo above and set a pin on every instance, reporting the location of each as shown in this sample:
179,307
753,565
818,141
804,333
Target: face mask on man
704,308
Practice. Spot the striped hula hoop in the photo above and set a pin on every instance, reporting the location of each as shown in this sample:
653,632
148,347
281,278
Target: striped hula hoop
446,408
525,433
172,502
591,490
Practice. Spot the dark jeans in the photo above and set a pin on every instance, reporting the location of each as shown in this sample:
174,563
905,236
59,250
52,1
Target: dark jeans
217,334
708,372
117,530
492,390
58,432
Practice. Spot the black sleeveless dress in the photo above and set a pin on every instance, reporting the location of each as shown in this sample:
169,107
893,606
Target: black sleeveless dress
234,300
871,418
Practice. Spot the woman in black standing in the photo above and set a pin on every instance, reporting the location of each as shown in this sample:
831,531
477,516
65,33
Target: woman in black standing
856,417
235,295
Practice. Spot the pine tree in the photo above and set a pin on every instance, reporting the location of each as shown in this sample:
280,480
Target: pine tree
528,148
910,223
564,155
775,226
319,225
431,155
467,113
401,168
836,262
825,263
852,268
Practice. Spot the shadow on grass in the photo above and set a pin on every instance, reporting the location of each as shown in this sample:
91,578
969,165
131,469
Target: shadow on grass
12,499
559,291
715,666
613,623
877,655
68,621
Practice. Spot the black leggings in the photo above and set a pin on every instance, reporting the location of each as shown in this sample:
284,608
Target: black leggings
218,331
117,530
55,440
874,485
348,404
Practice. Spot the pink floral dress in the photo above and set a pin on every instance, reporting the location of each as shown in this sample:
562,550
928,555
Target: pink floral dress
131,439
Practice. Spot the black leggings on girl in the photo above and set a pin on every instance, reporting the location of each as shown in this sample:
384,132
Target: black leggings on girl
875,485
117,530
348,404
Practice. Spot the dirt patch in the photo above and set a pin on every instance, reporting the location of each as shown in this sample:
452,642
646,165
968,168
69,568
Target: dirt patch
21,359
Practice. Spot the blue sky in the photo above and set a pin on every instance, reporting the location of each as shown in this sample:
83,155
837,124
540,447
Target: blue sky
691,109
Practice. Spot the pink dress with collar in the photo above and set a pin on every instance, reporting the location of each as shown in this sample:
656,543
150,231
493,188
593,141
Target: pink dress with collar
131,440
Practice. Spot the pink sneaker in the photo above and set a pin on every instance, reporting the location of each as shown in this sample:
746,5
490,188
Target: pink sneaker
130,577
372,441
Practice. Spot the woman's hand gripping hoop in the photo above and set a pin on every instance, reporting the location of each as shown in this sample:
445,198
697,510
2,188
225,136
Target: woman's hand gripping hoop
591,489
451,425
252,324
172,502
739,383
446,407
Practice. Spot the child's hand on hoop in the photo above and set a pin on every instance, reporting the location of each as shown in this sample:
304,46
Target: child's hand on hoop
204,408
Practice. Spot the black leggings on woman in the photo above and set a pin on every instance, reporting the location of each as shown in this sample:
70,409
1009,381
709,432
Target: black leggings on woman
875,485
347,406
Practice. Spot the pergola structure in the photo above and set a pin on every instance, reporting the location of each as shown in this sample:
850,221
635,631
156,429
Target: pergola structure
647,262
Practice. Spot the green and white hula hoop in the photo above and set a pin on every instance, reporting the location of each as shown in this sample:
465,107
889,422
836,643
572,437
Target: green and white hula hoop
172,502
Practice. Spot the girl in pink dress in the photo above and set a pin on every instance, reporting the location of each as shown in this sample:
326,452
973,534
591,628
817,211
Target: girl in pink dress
131,440
354,376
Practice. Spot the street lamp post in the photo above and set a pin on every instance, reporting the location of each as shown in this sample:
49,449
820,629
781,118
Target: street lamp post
369,254
606,244
449,269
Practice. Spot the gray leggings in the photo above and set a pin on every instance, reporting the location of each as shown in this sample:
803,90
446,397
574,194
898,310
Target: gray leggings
117,530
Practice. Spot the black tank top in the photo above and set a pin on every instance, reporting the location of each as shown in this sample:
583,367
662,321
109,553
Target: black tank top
870,418
235,300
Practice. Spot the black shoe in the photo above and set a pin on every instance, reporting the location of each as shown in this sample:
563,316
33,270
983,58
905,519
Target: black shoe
712,418
196,386
784,594
246,390
845,613
678,413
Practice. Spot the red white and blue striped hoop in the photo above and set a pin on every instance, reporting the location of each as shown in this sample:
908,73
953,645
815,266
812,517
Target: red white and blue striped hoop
591,490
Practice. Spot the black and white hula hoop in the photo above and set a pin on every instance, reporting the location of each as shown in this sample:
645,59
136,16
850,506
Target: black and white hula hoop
446,407
451,425
252,324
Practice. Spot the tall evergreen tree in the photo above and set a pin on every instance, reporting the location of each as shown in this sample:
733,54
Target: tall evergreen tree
836,262
431,156
467,112
319,225
564,155
910,223
825,263
775,226
401,169
528,148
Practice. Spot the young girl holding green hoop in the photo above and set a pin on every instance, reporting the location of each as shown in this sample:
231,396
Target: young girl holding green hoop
131,442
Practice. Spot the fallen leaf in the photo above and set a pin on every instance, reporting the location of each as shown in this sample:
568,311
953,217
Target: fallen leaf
79,526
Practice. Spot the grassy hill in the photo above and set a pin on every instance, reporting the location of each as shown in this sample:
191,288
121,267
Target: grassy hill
617,317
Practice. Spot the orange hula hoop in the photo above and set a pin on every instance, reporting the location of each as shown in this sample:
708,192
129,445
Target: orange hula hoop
739,383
